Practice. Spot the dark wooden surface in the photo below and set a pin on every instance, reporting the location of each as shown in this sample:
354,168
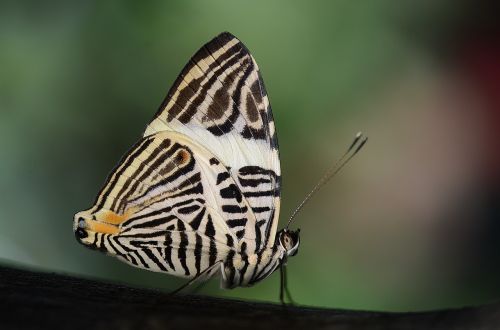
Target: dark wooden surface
35,300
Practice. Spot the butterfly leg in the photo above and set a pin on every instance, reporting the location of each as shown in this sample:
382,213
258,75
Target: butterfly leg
287,291
284,286
201,278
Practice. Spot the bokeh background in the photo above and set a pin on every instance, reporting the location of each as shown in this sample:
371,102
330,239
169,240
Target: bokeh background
413,223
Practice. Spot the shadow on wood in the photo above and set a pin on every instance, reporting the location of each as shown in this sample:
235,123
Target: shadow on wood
33,300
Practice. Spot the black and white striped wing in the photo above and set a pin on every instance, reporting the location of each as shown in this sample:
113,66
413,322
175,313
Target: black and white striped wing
203,183
219,101
159,209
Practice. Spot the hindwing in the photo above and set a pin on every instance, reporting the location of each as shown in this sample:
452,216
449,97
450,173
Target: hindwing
167,193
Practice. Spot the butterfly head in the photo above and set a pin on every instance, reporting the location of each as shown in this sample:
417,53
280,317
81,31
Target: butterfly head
290,241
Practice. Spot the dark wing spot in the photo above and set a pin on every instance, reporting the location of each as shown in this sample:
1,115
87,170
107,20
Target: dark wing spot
252,111
231,192
256,91
219,105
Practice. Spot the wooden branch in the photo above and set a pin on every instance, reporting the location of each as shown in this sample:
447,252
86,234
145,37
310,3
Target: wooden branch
36,300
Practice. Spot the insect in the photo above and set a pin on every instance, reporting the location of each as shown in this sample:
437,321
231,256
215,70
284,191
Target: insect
199,194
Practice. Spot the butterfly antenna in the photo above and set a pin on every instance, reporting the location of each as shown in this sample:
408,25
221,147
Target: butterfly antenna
356,145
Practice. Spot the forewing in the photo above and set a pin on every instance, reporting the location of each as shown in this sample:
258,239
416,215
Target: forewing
219,101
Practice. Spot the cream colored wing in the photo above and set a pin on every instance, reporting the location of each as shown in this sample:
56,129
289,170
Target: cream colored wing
165,208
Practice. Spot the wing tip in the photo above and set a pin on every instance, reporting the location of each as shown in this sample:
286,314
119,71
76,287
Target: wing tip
226,35
223,38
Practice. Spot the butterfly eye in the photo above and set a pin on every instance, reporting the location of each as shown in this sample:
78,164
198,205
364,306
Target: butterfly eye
286,241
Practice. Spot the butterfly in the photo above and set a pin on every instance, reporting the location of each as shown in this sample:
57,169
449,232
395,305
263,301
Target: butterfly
199,194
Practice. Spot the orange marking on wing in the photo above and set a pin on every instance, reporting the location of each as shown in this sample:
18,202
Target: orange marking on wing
100,227
115,219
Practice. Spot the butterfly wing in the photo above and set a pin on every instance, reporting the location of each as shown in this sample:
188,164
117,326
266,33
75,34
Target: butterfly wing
219,101
160,208
204,181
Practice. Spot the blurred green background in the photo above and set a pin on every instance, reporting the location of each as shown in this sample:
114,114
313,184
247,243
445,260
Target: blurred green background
411,224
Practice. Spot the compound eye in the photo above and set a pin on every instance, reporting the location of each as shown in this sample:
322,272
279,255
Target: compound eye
286,241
